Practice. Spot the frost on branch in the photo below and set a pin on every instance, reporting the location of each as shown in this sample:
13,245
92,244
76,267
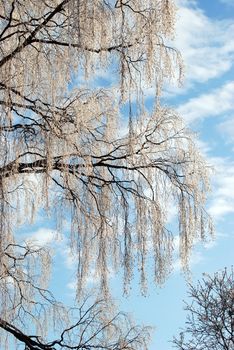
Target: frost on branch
61,148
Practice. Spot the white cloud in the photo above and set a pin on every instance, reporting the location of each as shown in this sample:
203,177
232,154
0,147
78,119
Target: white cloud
226,128
196,255
222,200
72,285
70,260
91,280
204,43
221,207
195,258
210,244
227,2
44,236
212,104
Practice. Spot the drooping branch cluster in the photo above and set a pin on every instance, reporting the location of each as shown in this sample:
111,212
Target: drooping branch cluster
54,38
114,189
63,146
23,281
93,327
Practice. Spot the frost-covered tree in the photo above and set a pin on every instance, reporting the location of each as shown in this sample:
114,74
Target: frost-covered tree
62,148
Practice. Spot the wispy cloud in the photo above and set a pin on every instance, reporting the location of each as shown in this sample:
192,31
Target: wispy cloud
92,280
226,128
222,201
204,42
197,255
44,236
214,103
69,258
227,2
195,258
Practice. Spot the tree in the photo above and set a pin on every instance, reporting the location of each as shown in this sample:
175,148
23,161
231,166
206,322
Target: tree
210,320
91,326
32,317
61,149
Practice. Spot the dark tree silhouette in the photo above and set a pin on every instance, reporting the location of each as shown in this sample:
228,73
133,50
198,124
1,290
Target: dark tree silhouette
210,320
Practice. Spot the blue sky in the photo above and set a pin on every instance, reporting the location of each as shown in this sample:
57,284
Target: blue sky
204,34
